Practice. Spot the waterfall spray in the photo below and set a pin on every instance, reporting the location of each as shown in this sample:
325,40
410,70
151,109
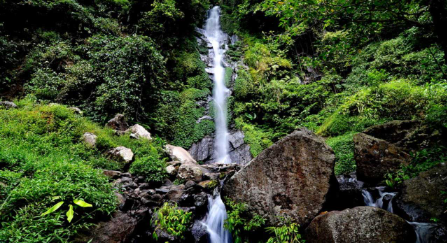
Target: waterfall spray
220,92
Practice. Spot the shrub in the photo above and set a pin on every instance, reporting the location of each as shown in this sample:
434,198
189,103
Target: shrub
172,220
241,223
289,232
151,167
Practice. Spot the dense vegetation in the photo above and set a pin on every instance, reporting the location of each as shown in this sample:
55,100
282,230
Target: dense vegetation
44,163
333,66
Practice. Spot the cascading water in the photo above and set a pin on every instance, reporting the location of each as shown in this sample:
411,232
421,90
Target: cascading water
216,208
220,92
217,215
423,230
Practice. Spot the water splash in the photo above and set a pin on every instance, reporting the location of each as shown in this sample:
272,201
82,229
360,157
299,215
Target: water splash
220,92
379,202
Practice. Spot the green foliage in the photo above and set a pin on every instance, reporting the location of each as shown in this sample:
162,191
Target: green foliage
255,137
241,223
421,161
287,233
151,167
177,117
389,101
343,147
44,161
172,220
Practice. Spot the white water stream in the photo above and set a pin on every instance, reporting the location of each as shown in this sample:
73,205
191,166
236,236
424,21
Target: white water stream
217,214
423,230
220,92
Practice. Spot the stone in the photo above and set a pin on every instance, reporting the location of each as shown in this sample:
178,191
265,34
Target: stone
360,225
90,139
241,155
120,228
189,184
386,148
202,150
111,173
118,123
210,184
138,132
290,179
179,154
190,171
171,170
420,198
349,193
376,157
199,232
8,104
122,154
236,139
76,110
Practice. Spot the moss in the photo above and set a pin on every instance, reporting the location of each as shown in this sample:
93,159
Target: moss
343,147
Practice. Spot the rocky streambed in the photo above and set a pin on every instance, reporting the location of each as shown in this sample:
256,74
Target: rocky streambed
294,179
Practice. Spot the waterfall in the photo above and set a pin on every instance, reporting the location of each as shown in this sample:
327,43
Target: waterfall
220,92
217,214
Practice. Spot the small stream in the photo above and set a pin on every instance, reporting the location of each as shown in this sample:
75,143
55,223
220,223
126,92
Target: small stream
385,201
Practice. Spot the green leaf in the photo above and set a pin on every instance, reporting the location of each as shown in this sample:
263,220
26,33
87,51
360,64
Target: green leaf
82,203
70,213
52,209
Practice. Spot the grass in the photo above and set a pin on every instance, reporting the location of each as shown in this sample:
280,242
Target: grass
43,160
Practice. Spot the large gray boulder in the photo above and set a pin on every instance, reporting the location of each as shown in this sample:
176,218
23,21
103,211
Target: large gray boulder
290,179
359,225
421,198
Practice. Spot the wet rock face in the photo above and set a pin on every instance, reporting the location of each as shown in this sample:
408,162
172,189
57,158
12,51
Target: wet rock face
360,225
291,179
239,151
421,198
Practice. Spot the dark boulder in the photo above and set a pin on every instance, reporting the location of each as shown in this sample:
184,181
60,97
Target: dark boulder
421,198
118,123
385,148
122,227
360,225
290,179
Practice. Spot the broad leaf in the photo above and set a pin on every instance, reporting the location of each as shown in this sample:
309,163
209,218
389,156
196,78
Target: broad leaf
70,213
52,209
82,203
